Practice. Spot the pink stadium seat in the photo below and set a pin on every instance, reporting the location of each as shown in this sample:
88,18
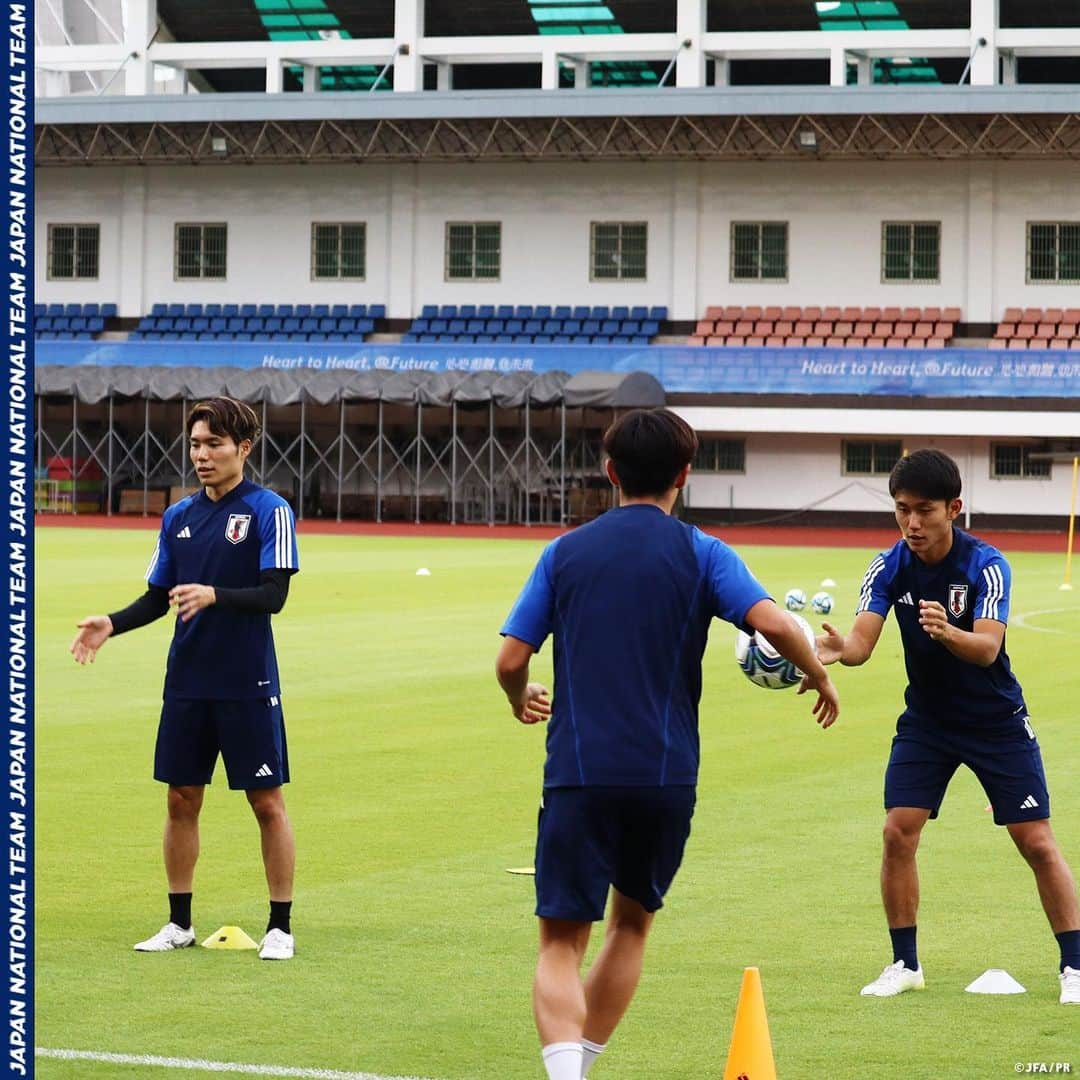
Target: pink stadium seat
937,343
815,340
1074,345
1071,315
1059,344
736,339
1037,343
1004,329
995,343
912,314
872,314
791,314
723,328
744,327
851,314
830,314
1044,331
1031,315
855,342
890,314
784,328
1066,330
1052,315
863,329
773,313
915,343
943,329
774,341
843,329
756,341
714,313
823,327
894,343
752,313
904,329
1012,314
795,340
835,342
875,343
882,329
733,314
811,314
924,330
716,341
1025,330
695,339
704,327
763,326
803,328
931,314
1017,343
951,314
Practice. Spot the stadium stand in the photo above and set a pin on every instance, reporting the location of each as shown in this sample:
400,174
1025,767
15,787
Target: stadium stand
259,322
71,322
831,327
1034,329
541,324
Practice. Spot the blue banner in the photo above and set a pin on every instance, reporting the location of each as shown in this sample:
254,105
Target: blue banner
16,526
679,368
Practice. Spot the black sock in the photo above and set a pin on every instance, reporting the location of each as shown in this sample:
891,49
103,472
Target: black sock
280,910
180,909
903,944
1069,940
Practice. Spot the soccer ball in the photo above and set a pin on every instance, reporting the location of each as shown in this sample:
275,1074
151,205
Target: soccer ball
822,603
795,600
763,665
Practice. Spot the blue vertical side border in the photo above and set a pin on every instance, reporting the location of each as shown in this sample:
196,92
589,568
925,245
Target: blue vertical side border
16,539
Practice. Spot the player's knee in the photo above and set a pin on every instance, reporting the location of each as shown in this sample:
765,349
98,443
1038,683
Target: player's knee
1039,848
268,807
184,803
899,840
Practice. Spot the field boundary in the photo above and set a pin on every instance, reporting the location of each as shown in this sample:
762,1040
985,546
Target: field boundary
875,539
192,1064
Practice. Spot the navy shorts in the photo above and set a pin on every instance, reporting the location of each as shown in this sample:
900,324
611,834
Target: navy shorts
590,838
249,733
1010,770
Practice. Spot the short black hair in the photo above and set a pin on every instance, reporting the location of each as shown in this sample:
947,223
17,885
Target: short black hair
226,416
928,473
649,449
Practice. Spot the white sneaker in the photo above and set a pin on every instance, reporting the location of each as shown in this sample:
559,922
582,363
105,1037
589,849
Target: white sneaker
277,945
170,936
896,979
1070,987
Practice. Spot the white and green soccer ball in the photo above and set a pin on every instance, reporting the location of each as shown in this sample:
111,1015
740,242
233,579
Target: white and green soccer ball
822,603
763,665
795,600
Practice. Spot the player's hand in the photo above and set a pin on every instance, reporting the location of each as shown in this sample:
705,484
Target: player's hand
189,600
827,707
534,705
94,631
933,620
830,645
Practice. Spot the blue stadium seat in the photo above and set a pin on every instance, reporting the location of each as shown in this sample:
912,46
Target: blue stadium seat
243,336
485,339
543,339
225,336
571,326
248,311
467,311
78,323
39,310
327,325
523,311
194,310
658,313
523,339
448,311
358,311
217,326
543,311
230,311
515,326
429,311
457,326
377,311
466,339
409,339
284,311
158,310
504,339
365,326
601,339
552,326
212,311
155,335
303,311
262,335
639,339
346,325
337,337
339,311
649,328
188,335
475,326
205,335
438,326
234,325
621,339
563,312
291,326
590,327
66,335
609,327
485,311
108,311
273,325
620,313
163,326
175,311
200,324
504,311
254,324
639,313
420,326
146,323
72,310
182,325
298,335
135,335
601,312
495,326
309,325
429,339
562,339
629,327
266,311
321,311
43,322
91,310
533,326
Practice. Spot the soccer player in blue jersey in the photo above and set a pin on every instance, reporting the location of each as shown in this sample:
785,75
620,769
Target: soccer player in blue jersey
223,559
628,600
950,594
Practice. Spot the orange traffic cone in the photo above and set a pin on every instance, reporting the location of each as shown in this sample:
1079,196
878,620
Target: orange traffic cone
750,1053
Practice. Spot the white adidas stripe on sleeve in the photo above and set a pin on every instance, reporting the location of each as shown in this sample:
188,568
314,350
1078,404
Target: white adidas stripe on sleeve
283,539
995,592
866,590
153,559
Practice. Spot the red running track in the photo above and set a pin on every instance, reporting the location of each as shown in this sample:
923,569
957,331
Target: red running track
765,535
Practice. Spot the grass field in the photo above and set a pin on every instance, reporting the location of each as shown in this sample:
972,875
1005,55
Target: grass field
414,789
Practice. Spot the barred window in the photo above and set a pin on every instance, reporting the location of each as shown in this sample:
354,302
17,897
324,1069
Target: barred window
200,251
73,252
618,250
1053,252
1014,461
339,250
759,251
870,458
720,455
473,250
911,251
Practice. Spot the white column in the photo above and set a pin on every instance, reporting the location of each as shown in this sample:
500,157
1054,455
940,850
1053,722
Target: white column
581,74
311,79
275,79
837,67
401,263
984,25
980,302
408,31
549,70
865,70
685,240
443,77
1008,68
132,301
721,71
690,26
139,28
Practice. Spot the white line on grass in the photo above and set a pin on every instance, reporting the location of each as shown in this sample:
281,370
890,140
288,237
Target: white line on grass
1021,620
211,1066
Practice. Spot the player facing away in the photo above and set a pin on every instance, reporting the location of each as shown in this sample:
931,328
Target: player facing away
963,706
223,559
628,600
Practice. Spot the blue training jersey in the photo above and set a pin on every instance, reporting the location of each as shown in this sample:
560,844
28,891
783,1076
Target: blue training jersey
222,653
971,582
628,599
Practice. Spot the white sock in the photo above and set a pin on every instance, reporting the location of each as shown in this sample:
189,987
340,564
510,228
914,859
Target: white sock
590,1051
562,1060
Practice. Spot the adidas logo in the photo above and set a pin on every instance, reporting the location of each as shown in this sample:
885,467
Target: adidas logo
184,533
1029,803
264,770
906,599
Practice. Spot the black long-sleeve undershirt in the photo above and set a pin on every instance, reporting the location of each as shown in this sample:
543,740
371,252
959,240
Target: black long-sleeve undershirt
266,598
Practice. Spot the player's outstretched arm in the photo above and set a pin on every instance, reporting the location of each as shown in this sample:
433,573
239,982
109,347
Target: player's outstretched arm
530,702
788,640
94,631
856,647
